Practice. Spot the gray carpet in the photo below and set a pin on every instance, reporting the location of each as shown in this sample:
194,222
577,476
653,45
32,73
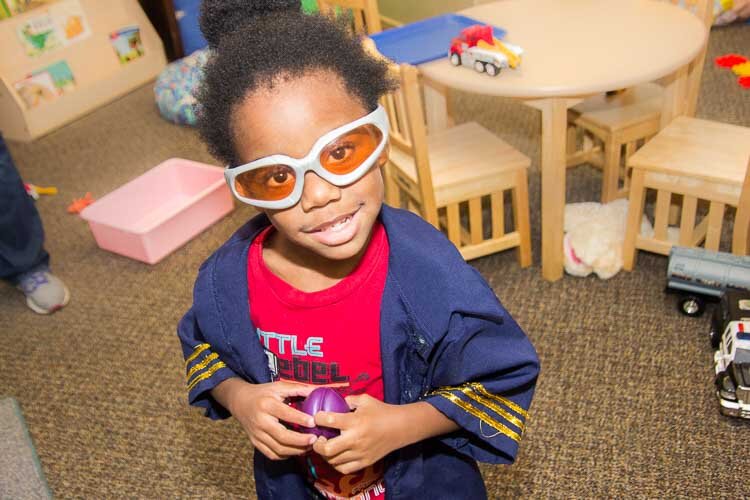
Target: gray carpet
624,407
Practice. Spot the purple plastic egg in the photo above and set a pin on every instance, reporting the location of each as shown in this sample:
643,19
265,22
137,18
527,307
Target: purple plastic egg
324,399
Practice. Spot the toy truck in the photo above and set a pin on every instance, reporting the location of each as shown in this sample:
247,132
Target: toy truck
730,333
698,276
477,47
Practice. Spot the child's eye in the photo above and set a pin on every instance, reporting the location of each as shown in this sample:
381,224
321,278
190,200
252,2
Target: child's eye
277,177
341,153
280,177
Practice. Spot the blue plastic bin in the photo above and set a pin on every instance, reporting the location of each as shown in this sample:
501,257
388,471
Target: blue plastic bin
425,40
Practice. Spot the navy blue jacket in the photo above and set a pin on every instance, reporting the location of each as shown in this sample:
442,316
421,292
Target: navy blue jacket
444,337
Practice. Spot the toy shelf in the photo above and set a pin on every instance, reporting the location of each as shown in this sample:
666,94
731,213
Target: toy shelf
98,73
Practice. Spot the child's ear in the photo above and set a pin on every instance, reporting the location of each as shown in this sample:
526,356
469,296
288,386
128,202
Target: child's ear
383,158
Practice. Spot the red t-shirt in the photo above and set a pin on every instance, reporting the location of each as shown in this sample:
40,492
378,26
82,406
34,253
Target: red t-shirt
330,337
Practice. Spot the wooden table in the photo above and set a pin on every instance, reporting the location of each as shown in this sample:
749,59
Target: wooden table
574,48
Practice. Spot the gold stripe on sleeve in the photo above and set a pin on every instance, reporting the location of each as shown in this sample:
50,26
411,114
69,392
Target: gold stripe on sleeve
471,392
479,388
482,416
207,374
510,404
204,363
196,352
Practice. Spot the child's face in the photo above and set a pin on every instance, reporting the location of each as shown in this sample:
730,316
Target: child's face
330,221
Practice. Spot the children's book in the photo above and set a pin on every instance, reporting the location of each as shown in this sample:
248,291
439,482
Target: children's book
58,25
127,43
46,84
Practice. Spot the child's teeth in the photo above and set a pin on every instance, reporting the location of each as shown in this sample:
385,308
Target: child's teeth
337,226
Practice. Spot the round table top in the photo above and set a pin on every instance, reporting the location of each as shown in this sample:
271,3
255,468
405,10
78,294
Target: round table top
579,47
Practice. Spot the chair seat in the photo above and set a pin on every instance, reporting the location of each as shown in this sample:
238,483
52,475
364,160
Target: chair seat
627,108
466,159
701,149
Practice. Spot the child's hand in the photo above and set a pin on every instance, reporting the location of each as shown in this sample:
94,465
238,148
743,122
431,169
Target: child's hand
742,8
260,408
369,433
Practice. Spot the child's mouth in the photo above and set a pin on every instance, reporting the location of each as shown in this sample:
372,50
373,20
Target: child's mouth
338,231
338,225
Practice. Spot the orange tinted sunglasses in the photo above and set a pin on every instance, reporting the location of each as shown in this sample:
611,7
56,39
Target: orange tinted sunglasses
341,157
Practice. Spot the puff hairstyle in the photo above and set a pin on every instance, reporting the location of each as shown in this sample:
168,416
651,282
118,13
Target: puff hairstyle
258,43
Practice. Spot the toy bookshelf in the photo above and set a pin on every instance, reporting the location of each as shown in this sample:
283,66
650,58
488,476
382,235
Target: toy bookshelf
65,58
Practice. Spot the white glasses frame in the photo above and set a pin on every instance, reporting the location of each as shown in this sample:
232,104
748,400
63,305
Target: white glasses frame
311,162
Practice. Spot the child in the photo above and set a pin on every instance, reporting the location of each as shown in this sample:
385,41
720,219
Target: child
329,287
729,11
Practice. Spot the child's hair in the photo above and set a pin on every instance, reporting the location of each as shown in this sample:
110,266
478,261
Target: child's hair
256,43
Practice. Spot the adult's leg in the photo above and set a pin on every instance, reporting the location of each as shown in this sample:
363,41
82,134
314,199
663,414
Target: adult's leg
21,233
23,260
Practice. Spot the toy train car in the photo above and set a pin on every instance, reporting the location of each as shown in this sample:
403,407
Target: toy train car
699,275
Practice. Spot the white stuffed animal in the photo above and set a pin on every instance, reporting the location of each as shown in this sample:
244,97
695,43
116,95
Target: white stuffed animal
594,234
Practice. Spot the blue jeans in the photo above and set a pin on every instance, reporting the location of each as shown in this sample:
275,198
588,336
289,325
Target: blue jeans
21,232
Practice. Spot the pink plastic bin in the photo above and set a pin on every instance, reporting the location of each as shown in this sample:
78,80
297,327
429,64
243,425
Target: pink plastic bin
158,212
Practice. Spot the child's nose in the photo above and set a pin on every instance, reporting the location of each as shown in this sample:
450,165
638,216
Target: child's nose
318,192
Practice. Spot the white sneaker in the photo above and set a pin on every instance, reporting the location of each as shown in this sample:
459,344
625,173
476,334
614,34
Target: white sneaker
44,291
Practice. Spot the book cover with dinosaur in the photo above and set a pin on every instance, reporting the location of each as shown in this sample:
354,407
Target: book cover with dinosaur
59,25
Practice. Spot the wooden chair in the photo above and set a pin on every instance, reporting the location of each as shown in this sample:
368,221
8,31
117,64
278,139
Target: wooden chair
615,126
741,231
456,178
365,14
705,162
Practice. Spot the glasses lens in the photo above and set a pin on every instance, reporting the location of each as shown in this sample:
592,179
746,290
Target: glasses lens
269,183
347,152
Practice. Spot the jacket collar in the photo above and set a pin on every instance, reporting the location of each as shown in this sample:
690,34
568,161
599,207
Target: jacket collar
427,279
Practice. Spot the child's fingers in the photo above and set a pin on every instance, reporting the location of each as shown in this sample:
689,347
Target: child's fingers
288,437
278,449
265,450
333,420
341,459
319,446
292,389
291,415
350,467
357,401
330,448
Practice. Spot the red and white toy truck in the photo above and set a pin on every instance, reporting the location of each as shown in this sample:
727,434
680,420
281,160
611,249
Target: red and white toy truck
477,47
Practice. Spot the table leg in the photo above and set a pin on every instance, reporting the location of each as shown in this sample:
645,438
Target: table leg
554,124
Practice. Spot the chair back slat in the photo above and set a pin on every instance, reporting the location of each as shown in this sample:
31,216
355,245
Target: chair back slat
703,9
396,109
409,134
364,14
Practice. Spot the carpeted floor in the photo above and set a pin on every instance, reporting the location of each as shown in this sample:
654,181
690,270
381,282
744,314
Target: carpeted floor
624,407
